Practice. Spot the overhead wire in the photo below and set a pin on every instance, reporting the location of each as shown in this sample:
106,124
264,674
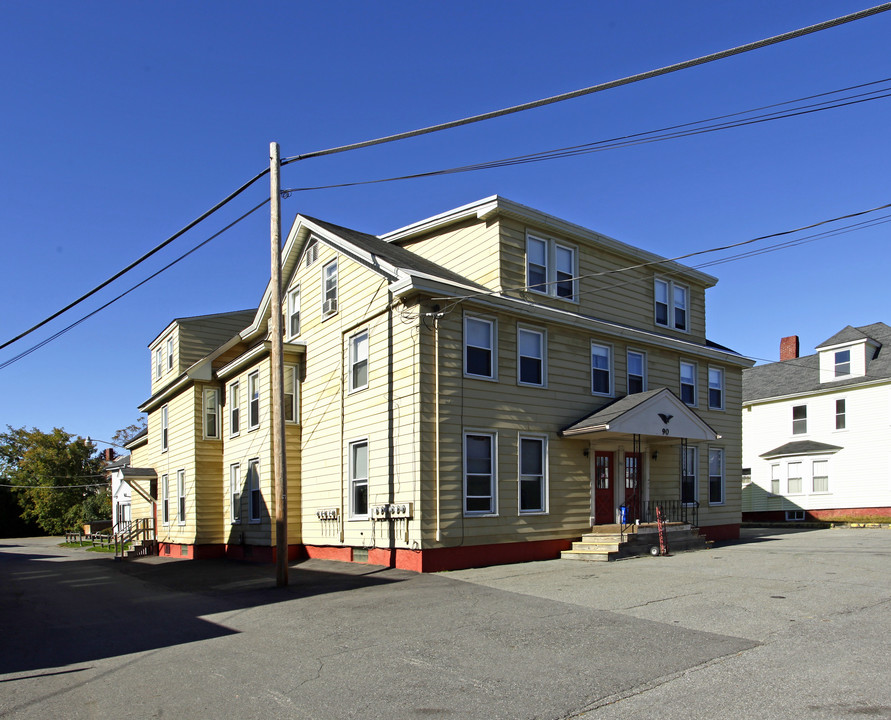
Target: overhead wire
73,325
868,12
650,136
702,60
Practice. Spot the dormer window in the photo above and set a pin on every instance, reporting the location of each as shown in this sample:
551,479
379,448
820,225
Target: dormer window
550,267
842,363
671,302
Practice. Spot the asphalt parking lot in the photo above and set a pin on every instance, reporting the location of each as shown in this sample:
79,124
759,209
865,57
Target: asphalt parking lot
784,624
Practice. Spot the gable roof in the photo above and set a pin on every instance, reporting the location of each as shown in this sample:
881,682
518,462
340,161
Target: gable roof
802,375
846,335
646,413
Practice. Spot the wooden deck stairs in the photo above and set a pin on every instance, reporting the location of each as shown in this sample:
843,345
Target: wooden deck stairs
608,542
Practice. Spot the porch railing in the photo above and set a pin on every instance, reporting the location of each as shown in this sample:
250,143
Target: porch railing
672,511
133,533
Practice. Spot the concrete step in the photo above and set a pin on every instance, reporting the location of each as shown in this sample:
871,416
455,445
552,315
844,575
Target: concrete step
597,545
589,555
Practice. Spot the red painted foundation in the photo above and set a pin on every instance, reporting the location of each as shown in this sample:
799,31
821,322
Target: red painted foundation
864,514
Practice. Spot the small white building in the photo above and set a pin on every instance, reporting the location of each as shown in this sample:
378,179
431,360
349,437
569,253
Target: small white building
817,430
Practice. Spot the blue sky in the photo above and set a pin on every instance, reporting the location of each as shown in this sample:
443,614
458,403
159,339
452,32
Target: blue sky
123,121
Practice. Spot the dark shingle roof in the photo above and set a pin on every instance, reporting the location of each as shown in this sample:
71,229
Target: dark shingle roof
802,375
394,254
801,447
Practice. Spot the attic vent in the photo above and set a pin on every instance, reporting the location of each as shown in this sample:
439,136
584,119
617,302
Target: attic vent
312,252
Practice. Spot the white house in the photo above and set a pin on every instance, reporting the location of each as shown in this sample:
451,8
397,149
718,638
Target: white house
817,430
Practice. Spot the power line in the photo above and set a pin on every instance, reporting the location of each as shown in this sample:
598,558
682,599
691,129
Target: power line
169,265
669,133
738,50
136,262
55,487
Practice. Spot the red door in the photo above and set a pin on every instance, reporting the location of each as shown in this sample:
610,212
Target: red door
632,486
604,510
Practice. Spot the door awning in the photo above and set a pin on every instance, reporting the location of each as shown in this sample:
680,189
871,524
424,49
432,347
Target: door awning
655,413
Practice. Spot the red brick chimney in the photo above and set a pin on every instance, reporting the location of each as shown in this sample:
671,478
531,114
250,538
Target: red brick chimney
789,348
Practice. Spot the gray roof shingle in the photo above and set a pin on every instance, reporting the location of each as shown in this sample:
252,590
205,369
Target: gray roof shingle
802,375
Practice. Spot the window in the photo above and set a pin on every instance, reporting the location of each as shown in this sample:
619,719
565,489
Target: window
479,474
688,383
774,479
794,478
169,354
164,429
359,479
670,304
530,349
165,500
794,515
479,347
637,372
533,479
235,492
600,370
689,490
840,419
715,476
294,312
799,420
716,388
181,497
821,476
842,363
550,267
211,413
254,400
359,361
234,409
255,498
329,290
159,366
312,252
292,394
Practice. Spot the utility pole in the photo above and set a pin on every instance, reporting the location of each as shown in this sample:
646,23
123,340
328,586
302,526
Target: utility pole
279,468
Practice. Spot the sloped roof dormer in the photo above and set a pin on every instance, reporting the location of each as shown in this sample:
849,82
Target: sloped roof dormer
846,354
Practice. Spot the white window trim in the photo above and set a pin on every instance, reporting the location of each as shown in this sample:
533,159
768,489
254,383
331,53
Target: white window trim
169,354
235,493
181,497
670,286
159,363
165,500
723,404
695,451
545,484
794,420
493,349
836,414
836,375
253,379
254,477
493,482
723,476
550,268
165,428
293,300
216,412
799,477
695,367
543,336
643,357
234,405
353,360
609,350
295,411
325,298
354,481
775,469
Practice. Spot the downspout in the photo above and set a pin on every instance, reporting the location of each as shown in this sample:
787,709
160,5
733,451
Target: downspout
438,535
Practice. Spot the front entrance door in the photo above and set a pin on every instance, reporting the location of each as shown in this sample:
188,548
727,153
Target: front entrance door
632,486
604,509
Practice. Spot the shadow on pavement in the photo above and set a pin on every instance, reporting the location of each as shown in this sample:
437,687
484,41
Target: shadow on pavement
62,610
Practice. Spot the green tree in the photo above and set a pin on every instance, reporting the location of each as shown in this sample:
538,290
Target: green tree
47,468
125,435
